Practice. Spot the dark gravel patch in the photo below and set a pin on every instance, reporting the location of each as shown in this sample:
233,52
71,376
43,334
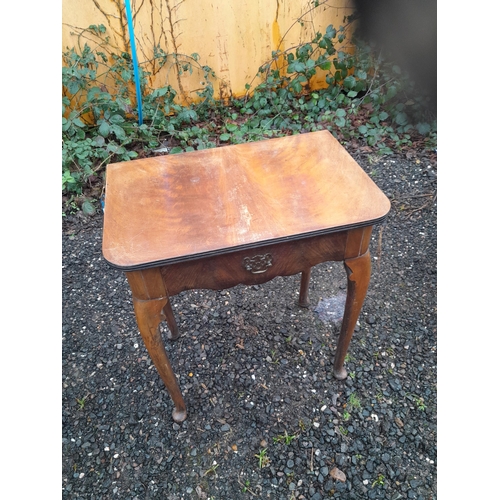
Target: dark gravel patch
256,373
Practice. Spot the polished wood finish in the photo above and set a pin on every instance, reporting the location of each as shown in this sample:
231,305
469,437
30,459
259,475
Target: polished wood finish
227,270
178,207
304,288
241,214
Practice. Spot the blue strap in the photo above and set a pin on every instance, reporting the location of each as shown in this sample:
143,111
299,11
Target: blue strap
134,60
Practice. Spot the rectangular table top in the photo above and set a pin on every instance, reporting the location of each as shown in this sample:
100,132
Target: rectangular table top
179,207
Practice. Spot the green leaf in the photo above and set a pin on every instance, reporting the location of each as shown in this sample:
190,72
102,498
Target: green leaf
225,137
330,32
340,112
310,63
93,93
391,91
361,74
296,86
349,82
117,119
296,67
231,127
401,118
98,141
118,131
385,149
160,92
423,128
73,86
176,150
340,121
104,129
88,208
126,75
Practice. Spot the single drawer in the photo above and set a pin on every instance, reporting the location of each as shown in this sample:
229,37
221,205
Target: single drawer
254,265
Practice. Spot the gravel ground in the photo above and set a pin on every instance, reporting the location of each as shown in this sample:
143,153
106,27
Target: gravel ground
266,418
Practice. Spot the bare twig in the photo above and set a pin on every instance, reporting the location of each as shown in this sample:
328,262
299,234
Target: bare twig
247,489
425,205
414,196
379,249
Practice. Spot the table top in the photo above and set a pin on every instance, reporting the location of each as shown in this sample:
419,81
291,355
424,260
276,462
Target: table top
179,207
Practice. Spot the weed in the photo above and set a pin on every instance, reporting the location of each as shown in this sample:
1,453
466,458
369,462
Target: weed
262,457
419,401
81,402
246,486
273,357
284,438
346,415
343,430
379,481
354,402
212,469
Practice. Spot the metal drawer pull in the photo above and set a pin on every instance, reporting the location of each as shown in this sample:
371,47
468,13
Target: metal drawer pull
258,264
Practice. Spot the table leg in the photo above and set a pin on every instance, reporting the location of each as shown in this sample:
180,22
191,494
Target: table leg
149,314
358,277
304,288
170,319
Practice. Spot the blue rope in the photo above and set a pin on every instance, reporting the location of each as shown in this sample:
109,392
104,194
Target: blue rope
134,60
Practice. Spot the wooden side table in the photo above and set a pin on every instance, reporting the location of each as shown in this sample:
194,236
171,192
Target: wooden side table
240,214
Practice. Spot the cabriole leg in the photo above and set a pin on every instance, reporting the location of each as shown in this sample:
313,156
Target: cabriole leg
170,319
358,277
149,314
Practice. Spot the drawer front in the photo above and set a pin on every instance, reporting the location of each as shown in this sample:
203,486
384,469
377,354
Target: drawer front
254,266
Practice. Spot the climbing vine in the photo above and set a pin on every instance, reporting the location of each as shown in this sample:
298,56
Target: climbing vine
364,99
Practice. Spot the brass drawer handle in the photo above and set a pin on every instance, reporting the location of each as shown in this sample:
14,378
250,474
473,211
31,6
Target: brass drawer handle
258,264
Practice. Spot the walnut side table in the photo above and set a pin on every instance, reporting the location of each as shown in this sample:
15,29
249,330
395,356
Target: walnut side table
240,214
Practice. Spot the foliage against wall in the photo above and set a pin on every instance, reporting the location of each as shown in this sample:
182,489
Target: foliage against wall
234,37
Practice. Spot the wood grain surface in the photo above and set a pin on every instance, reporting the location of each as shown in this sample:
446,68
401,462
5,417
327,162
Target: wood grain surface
179,207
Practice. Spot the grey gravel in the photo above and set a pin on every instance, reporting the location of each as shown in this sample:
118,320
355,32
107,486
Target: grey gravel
254,367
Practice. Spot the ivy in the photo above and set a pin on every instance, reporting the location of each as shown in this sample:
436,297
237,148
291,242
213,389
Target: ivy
365,99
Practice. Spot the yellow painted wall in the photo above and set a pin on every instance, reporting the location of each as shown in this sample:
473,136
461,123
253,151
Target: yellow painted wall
233,37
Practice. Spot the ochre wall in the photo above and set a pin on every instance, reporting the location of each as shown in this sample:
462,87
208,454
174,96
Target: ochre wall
233,37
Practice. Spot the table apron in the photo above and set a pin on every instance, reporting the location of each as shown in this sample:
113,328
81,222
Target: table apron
259,265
